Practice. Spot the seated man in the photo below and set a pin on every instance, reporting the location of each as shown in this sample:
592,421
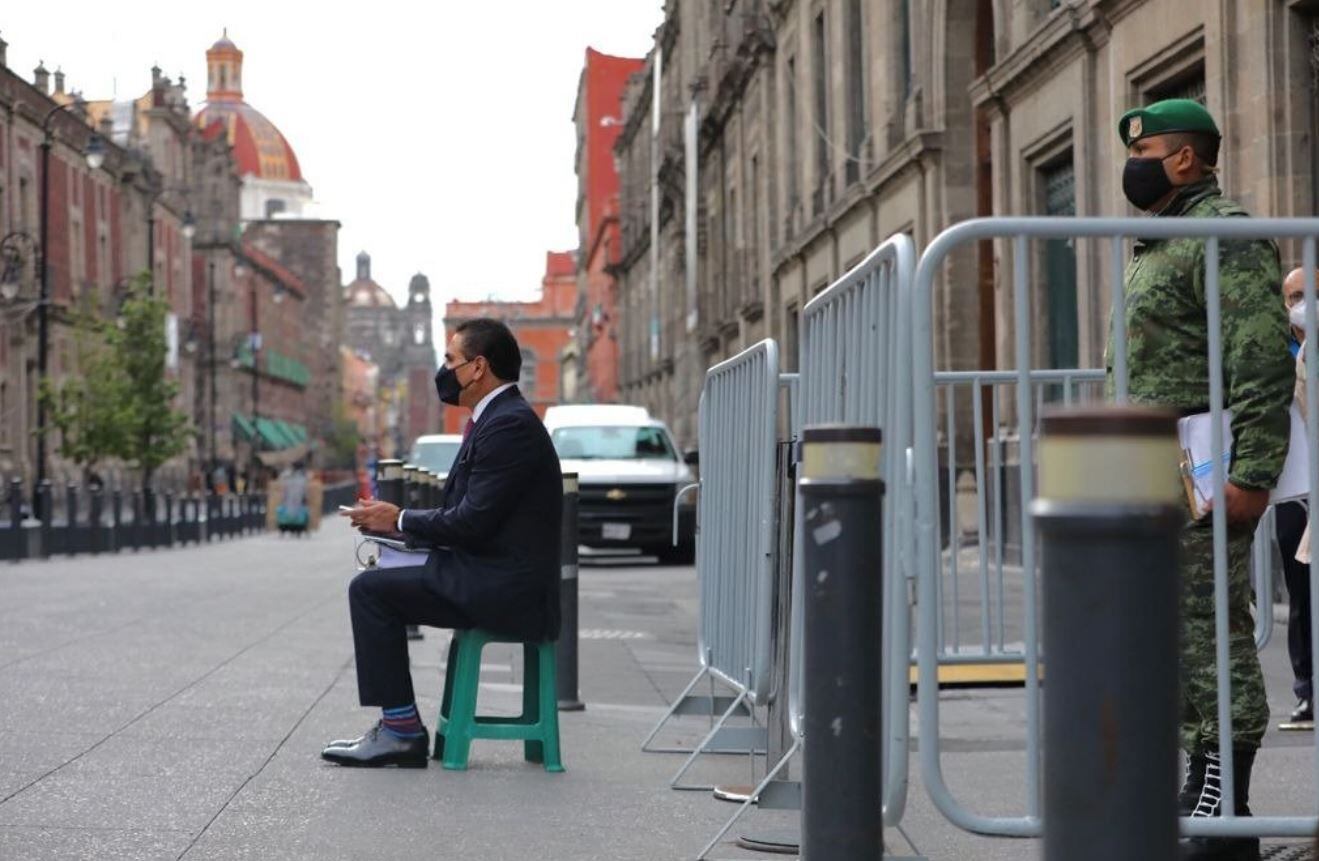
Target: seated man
495,562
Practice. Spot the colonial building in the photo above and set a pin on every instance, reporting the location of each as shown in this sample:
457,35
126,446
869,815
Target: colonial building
597,118
543,328
794,136
309,249
255,307
272,179
398,341
105,222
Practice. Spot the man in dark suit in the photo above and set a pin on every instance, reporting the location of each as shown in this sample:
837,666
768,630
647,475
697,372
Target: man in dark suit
495,562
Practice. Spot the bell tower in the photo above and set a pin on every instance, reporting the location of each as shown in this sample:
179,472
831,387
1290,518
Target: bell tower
224,71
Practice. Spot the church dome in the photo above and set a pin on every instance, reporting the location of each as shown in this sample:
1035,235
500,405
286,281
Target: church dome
260,149
365,292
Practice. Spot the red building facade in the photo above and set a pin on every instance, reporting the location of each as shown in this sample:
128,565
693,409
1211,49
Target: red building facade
597,116
543,328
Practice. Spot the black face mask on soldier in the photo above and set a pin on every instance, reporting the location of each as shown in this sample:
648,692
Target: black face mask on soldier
1145,182
447,385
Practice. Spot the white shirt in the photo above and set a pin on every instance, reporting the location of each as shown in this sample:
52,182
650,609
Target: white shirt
485,402
476,417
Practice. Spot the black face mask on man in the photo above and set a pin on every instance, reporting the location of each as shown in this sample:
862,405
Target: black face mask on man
447,385
1145,182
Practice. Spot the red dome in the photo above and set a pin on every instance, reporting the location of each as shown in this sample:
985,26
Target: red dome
260,149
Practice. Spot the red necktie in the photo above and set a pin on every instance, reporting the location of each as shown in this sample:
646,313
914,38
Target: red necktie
467,429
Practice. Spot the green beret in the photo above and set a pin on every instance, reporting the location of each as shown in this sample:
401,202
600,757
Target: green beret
1165,117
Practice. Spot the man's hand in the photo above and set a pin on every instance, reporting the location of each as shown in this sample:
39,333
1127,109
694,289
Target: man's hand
1244,506
374,516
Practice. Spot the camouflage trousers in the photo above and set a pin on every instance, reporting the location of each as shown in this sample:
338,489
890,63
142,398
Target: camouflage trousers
1199,674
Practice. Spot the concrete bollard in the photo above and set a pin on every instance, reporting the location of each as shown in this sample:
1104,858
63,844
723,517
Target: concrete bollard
45,506
73,540
842,783
117,518
389,481
96,532
16,503
566,669
135,505
1108,516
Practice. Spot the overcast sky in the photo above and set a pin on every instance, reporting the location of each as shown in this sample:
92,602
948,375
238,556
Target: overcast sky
439,134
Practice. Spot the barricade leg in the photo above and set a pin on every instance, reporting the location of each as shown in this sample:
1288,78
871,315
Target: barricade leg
704,705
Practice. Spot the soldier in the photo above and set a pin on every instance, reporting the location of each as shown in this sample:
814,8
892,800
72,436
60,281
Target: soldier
1173,153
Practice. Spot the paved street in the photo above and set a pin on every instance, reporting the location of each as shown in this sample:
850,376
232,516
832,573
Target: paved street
173,704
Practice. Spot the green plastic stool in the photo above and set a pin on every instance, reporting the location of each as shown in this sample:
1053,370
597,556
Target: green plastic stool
458,724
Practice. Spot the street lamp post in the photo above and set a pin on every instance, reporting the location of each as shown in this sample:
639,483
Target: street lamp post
95,156
256,386
210,351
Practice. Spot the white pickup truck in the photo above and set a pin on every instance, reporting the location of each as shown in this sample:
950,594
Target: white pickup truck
629,471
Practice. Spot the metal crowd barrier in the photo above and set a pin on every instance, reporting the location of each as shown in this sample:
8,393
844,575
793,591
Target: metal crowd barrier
856,369
735,552
934,634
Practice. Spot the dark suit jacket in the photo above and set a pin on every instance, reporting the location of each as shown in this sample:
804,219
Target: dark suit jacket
498,529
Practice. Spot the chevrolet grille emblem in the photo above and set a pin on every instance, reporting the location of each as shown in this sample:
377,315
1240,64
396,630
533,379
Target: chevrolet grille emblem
616,494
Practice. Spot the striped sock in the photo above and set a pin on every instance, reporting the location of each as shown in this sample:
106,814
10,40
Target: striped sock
403,722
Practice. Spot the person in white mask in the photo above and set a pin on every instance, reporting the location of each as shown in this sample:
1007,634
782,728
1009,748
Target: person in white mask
1294,535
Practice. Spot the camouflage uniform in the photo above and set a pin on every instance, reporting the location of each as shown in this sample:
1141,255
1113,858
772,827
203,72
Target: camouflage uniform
1168,365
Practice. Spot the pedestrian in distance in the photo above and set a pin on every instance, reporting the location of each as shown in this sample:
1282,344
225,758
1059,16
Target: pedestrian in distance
1172,149
1292,535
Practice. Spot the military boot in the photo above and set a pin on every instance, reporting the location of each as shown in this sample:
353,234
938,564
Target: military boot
1202,796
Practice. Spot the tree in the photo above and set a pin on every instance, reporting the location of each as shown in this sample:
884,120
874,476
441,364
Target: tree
341,446
87,408
152,430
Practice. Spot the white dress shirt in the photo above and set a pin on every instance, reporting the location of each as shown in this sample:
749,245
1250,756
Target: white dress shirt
476,417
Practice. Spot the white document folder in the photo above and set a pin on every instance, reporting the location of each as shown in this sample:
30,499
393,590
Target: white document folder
1193,435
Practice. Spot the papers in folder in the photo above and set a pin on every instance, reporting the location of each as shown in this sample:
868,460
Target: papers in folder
1193,434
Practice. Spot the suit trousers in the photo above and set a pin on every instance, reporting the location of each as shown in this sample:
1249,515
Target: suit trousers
382,602
1291,520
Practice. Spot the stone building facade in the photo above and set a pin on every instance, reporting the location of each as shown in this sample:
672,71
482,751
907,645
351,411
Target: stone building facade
820,127
98,238
399,342
309,249
543,328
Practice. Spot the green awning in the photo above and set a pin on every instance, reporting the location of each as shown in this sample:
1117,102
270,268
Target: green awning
299,432
242,427
271,435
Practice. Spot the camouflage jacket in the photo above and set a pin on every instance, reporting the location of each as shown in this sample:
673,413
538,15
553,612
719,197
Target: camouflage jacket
1167,336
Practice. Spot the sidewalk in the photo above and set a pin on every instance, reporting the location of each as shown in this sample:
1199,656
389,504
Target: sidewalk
173,704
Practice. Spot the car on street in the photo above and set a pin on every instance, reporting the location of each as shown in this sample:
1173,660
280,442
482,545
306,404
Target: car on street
629,472
436,452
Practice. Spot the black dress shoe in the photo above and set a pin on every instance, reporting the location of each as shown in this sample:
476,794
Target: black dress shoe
347,742
380,748
1304,711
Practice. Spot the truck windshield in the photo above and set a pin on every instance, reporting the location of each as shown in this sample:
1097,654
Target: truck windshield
436,456
612,443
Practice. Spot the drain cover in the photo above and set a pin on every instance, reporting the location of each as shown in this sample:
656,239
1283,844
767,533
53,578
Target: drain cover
610,634
1289,852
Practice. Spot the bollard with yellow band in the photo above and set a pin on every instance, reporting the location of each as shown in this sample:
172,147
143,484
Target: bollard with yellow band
1108,517
842,785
